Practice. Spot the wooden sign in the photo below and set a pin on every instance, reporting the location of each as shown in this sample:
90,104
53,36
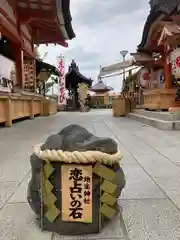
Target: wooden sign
76,186
62,80
29,74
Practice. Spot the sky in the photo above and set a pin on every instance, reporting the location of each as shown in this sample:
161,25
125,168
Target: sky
103,28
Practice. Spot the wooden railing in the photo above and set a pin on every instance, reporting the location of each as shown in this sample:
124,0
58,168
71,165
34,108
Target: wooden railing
16,106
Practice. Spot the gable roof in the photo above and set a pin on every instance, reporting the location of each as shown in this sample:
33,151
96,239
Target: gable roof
100,86
158,8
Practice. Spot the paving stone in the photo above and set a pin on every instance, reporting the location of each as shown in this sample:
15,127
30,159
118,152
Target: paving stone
17,222
157,165
151,219
146,213
133,143
16,168
6,190
139,185
171,186
127,159
141,189
133,172
114,230
172,153
149,136
20,195
103,131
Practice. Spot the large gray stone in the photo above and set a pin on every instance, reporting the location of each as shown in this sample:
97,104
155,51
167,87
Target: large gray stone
73,138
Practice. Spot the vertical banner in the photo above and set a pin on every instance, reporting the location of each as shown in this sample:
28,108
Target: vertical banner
76,189
62,81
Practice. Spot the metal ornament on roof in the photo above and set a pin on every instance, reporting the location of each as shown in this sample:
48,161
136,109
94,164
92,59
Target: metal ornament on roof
124,53
175,62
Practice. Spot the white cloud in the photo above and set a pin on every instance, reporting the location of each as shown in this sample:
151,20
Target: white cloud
102,28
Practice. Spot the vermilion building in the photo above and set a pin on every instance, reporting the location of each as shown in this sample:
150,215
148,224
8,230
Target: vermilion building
24,23
160,39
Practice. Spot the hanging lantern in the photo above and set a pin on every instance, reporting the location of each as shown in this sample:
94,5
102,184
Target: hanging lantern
175,62
144,77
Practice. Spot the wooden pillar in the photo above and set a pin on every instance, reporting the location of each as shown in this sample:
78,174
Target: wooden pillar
31,102
8,112
167,72
152,75
19,67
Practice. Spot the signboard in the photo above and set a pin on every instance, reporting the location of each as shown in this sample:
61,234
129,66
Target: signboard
76,186
62,82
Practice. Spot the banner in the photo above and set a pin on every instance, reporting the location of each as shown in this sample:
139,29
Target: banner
62,81
76,189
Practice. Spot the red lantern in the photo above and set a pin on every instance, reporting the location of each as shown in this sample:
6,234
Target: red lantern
146,76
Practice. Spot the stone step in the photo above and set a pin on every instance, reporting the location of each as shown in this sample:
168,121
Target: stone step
166,116
155,122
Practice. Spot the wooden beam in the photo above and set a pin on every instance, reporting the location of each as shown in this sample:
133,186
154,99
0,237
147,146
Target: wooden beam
52,41
27,15
9,31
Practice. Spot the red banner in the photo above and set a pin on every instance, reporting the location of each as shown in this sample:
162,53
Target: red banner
61,68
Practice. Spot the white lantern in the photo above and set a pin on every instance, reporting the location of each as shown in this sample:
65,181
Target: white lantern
175,62
144,77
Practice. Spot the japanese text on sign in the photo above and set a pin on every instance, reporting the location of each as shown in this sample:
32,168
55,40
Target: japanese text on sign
76,193
61,69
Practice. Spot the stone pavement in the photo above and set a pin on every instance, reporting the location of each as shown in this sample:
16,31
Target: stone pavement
150,201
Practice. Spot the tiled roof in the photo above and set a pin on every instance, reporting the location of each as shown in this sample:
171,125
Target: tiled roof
101,86
158,7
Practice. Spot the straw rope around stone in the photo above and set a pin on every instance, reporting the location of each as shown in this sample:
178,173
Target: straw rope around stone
77,157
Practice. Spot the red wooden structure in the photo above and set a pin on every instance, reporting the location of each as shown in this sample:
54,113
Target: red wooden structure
161,35
24,23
